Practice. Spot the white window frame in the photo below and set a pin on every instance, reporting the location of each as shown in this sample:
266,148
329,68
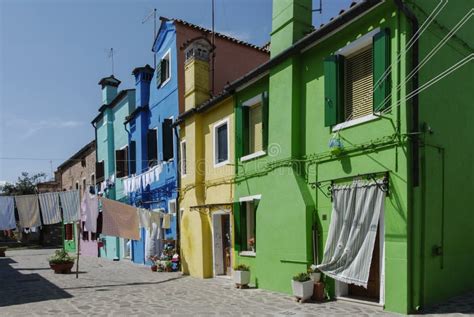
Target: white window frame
183,164
247,199
174,210
215,151
250,103
166,55
357,45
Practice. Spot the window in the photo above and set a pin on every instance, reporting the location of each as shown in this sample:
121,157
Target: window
83,162
163,70
99,170
248,208
358,83
183,159
355,85
252,136
84,183
221,143
77,185
152,145
92,179
167,135
121,162
172,207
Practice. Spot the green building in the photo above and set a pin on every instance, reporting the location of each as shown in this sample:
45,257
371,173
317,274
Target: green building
379,98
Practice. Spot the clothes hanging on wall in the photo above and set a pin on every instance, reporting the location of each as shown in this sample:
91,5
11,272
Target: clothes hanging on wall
144,218
152,241
90,211
28,211
70,203
120,220
7,213
50,211
166,221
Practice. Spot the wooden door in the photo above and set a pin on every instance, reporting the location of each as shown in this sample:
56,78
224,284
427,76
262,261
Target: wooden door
227,243
372,291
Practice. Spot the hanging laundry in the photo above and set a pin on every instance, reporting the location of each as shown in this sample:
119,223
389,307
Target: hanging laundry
166,221
151,241
50,210
90,211
28,211
7,213
157,172
70,203
144,218
120,220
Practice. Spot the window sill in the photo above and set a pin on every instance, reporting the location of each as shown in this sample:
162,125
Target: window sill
220,164
248,253
252,156
354,122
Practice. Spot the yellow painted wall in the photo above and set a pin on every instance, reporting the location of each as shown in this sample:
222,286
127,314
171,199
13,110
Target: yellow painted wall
203,184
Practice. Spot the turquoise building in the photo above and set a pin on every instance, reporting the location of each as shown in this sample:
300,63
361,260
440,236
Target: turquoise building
112,154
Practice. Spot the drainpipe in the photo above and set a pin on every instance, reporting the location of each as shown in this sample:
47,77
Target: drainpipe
178,184
414,146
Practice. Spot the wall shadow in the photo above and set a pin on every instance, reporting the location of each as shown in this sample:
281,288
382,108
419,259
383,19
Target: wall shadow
17,288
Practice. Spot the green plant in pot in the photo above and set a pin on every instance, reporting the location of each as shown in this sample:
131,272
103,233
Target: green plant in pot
302,286
315,273
61,262
241,275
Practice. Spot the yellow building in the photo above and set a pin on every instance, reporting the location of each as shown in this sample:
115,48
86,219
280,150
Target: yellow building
206,171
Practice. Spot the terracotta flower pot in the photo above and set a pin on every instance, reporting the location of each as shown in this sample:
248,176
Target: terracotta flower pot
154,268
62,268
2,252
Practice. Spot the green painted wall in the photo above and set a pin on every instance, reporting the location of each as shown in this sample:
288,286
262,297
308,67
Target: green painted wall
443,204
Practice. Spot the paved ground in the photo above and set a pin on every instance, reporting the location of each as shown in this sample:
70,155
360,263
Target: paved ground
105,288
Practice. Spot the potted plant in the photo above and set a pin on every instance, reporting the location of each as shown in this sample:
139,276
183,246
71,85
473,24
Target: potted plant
302,286
61,262
315,273
251,244
241,276
168,266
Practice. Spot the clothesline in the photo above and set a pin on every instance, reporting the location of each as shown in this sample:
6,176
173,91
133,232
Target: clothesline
138,182
35,210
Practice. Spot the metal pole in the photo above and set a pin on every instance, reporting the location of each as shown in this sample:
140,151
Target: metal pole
78,247
213,48
154,35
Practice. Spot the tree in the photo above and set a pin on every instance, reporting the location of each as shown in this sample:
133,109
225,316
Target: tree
24,185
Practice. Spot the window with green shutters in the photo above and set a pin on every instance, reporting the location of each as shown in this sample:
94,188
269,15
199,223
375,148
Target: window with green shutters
252,123
245,226
355,84
163,70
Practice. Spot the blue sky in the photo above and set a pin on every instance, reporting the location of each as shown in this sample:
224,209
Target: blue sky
53,53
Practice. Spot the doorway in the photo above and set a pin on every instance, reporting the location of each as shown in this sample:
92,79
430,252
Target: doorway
375,291
221,244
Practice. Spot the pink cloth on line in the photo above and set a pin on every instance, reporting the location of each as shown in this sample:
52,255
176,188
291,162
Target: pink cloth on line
120,220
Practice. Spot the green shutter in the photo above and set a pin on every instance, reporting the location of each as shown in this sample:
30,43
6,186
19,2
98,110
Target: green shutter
243,226
237,233
381,60
265,119
333,89
242,125
164,67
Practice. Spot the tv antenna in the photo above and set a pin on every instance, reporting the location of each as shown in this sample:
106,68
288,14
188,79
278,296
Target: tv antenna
146,19
320,9
110,55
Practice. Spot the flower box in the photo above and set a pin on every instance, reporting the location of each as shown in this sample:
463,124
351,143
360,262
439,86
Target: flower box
302,290
241,278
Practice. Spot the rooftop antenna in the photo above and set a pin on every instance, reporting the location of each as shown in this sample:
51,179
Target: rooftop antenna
110,54
213,47
320,9
148,17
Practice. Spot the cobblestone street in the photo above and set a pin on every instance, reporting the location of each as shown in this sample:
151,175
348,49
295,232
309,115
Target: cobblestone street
105,288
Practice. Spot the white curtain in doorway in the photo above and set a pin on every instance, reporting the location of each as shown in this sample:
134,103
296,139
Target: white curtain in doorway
352,232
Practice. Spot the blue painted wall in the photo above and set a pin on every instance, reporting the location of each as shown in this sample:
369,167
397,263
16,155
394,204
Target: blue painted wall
162,104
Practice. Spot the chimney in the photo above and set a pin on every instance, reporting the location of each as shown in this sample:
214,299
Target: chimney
196,72
291,20
109,88
143,76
